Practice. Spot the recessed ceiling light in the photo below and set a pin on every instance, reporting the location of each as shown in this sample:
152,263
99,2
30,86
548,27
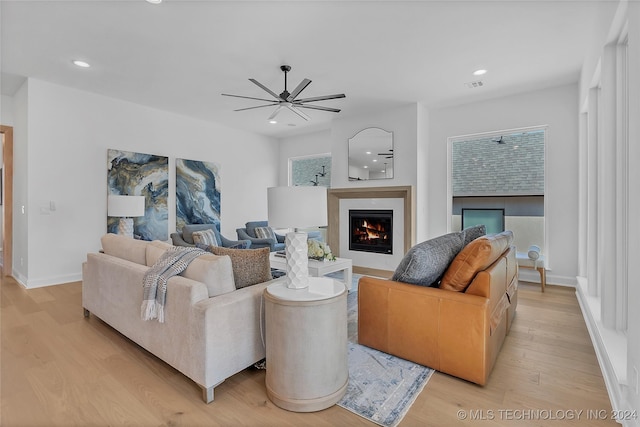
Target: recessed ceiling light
479,72
154,1
273,122
375,160
366,166
368,152
81,64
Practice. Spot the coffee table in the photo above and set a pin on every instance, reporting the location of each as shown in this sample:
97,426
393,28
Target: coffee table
319,268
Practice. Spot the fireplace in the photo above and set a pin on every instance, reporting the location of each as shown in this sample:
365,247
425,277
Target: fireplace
371,231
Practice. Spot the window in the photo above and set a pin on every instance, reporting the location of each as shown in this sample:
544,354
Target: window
498,179
310,171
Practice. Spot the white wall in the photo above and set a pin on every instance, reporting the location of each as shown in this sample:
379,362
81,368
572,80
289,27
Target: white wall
69,133
6,110
401,121
556,107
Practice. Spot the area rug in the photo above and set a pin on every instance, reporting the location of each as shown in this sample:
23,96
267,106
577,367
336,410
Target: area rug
381,387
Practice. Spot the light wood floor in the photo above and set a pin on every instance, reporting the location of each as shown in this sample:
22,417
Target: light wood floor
60,369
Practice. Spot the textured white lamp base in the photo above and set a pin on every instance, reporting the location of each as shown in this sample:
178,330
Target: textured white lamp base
125,227
296,251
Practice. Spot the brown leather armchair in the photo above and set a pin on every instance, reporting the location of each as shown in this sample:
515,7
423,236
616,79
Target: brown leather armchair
458,333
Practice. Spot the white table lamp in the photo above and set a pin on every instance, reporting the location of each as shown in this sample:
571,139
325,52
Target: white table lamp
297,207
125,207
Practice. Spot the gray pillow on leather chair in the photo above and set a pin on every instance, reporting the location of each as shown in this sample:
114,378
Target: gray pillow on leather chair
426,262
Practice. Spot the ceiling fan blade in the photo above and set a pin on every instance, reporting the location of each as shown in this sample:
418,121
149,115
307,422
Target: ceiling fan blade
322,98
298,112
266,89
258,106
303,84
275,113
248,97
316,107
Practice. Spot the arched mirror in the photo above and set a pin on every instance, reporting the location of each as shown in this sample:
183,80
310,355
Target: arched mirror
371,155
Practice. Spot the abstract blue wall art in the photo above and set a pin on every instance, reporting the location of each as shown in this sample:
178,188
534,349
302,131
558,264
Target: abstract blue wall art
138,174
197,193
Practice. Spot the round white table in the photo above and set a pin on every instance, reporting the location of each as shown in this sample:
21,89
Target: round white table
306,344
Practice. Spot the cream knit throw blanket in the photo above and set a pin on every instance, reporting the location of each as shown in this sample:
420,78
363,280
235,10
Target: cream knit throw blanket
171,263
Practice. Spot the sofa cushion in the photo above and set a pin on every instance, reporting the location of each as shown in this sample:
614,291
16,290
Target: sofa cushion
425,263
214,271
250,266
265,233
125,248
475,257
470,234
205,237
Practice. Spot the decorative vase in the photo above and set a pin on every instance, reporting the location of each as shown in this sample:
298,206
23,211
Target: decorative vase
296,253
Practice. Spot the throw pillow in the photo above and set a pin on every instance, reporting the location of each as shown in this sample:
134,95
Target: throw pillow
425,263
475,257
470,234
265,233
205,237
250,266
214,271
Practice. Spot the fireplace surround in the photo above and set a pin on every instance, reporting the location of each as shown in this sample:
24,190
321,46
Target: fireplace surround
407,218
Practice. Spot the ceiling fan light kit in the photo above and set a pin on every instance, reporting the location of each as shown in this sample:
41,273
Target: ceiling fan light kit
288,100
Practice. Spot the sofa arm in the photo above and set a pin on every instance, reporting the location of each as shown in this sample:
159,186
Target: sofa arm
445,330
229,330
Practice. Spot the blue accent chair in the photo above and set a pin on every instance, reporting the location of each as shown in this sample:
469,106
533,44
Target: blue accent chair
248,233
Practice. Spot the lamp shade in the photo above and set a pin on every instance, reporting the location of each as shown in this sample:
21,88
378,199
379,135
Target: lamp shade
297,207
125,206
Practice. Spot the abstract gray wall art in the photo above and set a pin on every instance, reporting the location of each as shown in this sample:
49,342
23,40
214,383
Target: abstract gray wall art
197,193
138,174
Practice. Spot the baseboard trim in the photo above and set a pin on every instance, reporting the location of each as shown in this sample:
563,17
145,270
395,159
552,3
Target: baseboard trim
385,274
614,372
528,275
52,281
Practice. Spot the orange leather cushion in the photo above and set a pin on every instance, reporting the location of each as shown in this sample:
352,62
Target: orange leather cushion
475,257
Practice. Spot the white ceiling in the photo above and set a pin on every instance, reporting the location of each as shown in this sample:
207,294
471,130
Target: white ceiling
181,55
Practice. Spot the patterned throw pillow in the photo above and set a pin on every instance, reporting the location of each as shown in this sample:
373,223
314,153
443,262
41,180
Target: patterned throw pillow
250,266
205,237
265,233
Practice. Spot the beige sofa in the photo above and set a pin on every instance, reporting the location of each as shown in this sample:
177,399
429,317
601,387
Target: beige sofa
211,330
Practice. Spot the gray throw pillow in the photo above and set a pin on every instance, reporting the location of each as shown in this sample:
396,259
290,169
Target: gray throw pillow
426,262
472,233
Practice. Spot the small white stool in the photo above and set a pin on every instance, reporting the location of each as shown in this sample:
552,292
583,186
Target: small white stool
539,264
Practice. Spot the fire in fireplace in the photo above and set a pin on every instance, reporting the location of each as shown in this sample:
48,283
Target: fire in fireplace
371,231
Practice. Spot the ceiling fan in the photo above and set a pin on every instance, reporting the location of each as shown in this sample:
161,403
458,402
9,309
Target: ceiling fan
288,100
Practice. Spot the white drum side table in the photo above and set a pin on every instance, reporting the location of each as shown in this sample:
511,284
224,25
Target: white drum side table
306,344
